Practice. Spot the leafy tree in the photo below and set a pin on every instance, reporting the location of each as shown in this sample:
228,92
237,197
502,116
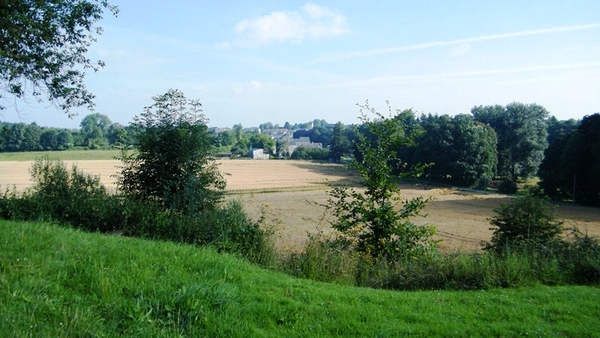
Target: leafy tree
529,221
305,153
94,128
173,164
522,136
463,151
571,166
238,129
558,129
13,135
48,139
116,134
43,46
340,145
31,138
370,219
64,140
263,141
226,138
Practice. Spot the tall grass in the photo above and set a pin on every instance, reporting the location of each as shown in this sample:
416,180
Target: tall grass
575,261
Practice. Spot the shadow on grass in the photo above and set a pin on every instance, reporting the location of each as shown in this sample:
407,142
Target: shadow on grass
343,175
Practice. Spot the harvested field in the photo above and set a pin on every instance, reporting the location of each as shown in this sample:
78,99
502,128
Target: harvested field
292,192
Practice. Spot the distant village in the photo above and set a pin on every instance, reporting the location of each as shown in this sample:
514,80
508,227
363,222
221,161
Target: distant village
315,135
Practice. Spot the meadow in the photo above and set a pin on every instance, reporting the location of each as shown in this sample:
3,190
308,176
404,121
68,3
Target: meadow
290,195
61,282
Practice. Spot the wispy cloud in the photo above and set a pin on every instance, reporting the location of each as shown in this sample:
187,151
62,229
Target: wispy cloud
310,21
466,42
464,75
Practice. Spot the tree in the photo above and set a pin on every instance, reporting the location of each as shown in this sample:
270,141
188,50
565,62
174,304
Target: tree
522,136
64,140
173,164
462,150
94,128
340,145
571,165
369,219
529,221
43,47
262,141
48,139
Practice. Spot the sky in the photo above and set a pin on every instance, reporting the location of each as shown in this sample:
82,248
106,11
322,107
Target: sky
252,62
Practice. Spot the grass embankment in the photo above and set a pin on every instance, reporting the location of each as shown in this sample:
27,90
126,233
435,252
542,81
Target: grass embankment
67,155
61,282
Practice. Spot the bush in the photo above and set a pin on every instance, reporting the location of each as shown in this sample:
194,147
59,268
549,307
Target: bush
79,200
508,187
528,222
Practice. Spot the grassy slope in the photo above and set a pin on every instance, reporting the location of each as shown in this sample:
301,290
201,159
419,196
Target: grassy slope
67,155
60,282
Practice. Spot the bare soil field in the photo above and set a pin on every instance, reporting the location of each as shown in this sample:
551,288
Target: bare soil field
291,194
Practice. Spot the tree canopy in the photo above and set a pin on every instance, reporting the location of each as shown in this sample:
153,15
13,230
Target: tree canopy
173,164
43,47
462,151
522,136
571,166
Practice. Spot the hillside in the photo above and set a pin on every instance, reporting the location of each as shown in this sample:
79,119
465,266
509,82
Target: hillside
60,282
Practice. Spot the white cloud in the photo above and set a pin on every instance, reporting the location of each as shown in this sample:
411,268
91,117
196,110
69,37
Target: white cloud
312,21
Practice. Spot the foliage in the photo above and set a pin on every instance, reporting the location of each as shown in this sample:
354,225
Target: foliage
369,219
21,137
305,153
43,47
340,144
262,141
528,222
94,128
462,150
173,162
522,136
508,187
571,166
79,200
559,129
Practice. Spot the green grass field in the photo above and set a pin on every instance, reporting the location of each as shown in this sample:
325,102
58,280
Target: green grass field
67,155
65,283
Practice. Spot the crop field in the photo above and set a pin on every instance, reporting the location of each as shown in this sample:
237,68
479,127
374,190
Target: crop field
291,195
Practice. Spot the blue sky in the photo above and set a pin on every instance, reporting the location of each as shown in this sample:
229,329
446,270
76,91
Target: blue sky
251,62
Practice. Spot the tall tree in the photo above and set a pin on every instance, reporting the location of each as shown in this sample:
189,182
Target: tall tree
340,145
463,151
571,166
173,164
43,46
94,128
522,136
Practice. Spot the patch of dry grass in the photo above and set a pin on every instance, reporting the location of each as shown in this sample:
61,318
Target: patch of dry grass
292,193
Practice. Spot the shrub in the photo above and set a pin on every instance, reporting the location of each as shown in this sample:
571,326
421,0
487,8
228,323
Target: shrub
529,221
508,187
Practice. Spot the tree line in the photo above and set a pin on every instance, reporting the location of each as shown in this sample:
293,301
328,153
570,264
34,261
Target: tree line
97,131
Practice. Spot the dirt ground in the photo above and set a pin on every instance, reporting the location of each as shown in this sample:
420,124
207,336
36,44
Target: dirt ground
291,194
